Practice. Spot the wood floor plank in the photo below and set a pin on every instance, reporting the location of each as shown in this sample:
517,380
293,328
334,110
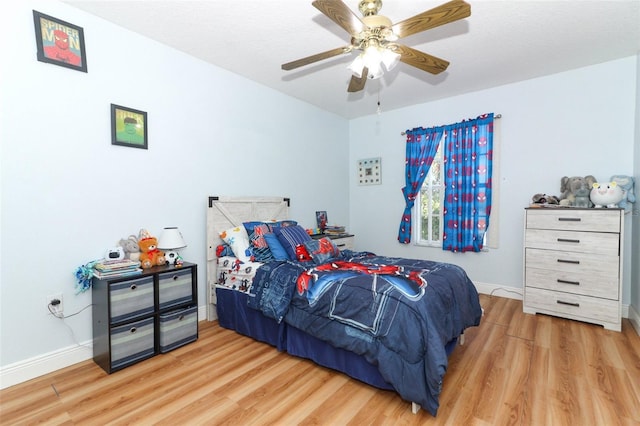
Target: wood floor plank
514,369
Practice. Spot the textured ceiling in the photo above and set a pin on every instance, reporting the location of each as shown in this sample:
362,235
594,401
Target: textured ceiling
500,43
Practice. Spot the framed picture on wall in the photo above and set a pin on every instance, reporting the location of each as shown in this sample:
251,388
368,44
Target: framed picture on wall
128,127
370,171
59,42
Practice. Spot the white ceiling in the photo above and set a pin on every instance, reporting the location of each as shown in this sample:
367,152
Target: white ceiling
500,43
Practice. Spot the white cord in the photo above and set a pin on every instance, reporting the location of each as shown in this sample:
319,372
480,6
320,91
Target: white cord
62,317
501,288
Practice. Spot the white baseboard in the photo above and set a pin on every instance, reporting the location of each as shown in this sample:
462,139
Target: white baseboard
40,365
516,293
634,317
499,290
23,371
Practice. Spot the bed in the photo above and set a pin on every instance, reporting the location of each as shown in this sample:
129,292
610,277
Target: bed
389,322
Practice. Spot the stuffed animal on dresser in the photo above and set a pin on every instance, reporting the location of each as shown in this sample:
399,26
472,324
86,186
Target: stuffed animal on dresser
544,199
570,185
606,195
628,191
130,247
150,255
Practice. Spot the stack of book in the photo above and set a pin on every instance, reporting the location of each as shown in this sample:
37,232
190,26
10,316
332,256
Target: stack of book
116,268
334,230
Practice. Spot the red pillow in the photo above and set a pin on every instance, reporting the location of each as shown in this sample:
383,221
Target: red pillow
302,254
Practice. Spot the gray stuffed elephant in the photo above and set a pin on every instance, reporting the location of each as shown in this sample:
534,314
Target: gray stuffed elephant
575,185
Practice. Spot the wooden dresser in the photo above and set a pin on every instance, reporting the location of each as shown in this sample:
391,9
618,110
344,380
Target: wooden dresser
573,264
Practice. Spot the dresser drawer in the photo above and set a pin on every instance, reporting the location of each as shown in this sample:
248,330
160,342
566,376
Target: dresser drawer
573,282
586,242
130,299
178,328
132,342
599,220
175,287
566,261
344,242
572,305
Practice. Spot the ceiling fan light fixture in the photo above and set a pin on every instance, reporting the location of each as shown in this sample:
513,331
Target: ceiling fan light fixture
357,66
390,59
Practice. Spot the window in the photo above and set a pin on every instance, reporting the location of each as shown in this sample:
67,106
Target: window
429,203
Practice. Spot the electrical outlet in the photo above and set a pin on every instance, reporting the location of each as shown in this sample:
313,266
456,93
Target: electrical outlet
59,308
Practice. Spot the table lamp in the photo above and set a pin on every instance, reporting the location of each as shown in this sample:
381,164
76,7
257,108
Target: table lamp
170,241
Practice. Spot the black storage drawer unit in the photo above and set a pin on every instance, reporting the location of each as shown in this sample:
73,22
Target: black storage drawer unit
137,317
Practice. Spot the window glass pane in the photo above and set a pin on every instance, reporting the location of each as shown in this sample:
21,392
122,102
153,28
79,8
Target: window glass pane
434,172
424,213
435,214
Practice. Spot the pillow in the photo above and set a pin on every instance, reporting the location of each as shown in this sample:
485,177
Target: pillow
238,239
261,250
250,226
280,223
277,251
290,237
322,250
257,236
224,250
302,254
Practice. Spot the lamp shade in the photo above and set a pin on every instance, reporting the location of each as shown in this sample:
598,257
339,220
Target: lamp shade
171,239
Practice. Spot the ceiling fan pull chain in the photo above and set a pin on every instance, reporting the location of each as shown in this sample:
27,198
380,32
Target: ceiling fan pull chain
379,110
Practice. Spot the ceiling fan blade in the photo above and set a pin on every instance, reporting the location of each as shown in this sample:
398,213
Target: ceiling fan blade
357,84
421,60
340,13
443,14
315,58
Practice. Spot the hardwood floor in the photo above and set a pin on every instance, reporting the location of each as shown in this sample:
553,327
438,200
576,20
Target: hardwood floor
514,369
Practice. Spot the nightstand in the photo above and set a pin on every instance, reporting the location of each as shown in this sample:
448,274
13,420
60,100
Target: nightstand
342,241
138,317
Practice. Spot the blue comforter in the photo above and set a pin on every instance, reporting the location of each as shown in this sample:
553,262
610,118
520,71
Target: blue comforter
398,313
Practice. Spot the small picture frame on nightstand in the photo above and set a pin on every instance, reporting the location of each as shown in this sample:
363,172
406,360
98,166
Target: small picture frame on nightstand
370,171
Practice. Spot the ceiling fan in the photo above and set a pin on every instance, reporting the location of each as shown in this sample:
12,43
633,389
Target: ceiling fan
375,36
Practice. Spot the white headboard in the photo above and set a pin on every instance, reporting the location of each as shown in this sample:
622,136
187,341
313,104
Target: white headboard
227,212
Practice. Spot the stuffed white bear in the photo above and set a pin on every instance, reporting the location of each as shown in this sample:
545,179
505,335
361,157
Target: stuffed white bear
606,195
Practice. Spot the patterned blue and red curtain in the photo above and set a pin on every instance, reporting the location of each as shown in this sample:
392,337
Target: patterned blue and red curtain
422,145
467,160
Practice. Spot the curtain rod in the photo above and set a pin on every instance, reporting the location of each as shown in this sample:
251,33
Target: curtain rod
496,116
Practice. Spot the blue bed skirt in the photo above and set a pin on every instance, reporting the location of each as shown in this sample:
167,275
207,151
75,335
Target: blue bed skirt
234,314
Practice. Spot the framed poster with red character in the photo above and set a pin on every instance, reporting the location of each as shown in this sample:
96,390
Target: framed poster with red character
59,42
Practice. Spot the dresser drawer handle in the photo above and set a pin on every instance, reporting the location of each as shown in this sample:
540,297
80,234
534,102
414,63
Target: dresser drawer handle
569,219
341,245
576,262
567,240
175,277
569,282
561,302
133,330
133,287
